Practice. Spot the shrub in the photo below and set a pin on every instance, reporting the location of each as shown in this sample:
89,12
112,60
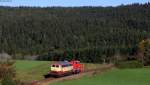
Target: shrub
7,72
129,64
7,80
7,69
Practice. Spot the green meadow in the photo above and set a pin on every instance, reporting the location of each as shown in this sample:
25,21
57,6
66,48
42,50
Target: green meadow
113,77
34,70
31,70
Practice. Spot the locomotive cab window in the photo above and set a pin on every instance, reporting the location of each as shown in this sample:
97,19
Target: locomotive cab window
57,66
53,65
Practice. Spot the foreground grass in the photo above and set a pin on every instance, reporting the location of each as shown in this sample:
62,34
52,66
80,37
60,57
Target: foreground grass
34,70
114,77
31,70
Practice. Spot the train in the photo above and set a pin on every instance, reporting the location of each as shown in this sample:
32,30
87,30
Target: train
64,68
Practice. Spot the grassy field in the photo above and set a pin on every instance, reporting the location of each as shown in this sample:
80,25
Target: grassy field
31,70
114,77
34,70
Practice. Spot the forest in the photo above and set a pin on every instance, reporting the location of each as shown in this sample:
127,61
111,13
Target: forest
90,34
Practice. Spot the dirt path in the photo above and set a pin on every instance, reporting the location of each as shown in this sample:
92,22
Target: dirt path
77,76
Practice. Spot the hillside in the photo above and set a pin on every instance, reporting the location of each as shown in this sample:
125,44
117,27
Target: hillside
90,31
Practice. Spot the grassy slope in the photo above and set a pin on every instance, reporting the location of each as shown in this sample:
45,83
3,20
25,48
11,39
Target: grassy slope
114,77
31,70
34,70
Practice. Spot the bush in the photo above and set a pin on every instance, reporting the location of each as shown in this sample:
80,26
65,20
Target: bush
129,64
7,69
7,72
8,81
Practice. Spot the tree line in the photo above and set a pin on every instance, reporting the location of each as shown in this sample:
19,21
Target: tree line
91,34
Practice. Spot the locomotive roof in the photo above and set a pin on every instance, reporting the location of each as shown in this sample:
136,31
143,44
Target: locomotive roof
61,63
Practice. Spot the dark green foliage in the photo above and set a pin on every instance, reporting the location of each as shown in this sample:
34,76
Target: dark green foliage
147,53
129,64
8,81
92,31
90,55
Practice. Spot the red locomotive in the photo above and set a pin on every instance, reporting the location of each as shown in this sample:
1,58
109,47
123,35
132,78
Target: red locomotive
63,68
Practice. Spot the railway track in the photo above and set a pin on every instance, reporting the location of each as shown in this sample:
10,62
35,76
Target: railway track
50,80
